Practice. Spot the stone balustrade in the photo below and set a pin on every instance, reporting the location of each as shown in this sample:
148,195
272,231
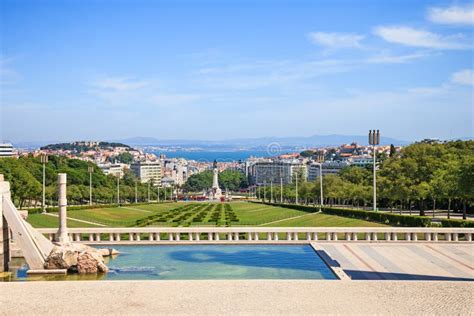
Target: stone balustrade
261,234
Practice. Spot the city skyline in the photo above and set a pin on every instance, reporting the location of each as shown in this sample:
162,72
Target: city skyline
208,70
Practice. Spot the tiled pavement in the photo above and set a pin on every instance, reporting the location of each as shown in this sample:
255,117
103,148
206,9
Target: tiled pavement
237,297
403,261
415,277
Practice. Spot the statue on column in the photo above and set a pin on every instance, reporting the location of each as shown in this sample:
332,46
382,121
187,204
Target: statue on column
216,192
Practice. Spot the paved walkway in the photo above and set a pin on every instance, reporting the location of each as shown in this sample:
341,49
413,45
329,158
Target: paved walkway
77,220
402,261
136,209
237,297
287,219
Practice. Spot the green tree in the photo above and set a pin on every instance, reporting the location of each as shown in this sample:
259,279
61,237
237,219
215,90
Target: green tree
124,157
466,182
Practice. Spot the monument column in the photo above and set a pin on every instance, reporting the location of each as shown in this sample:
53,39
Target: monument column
216,191
63,236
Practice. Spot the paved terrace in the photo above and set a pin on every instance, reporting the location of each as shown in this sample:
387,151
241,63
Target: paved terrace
401,261
387,278
237,297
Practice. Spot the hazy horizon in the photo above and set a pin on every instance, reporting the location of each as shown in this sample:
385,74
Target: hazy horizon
209,70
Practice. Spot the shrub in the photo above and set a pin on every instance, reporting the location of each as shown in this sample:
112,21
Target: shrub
456,223
381,217
49,209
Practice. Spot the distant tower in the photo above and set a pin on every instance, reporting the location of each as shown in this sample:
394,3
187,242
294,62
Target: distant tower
216,191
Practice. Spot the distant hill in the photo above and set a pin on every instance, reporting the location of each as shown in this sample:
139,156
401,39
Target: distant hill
310,141
84,146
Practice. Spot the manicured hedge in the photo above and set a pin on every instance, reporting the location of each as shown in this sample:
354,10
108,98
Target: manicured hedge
381,217
456,223
52,209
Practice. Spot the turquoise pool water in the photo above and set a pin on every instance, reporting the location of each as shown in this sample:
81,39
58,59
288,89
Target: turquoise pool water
206,262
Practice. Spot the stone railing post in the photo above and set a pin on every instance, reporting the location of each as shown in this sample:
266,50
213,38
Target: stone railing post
63,236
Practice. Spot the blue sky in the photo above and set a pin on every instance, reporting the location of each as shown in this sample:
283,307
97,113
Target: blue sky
229,69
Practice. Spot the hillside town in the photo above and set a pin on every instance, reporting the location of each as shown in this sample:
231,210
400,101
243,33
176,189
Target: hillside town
115,158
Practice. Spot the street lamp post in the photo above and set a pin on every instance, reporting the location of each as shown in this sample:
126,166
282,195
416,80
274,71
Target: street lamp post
296,189
321,199
320,163
271,191
264,190
136,191
321,183
118,189
148,191
44,161
158,198
281,190
90,169
374,140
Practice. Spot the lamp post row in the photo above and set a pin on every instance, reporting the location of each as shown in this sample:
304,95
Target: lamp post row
374,140
44,161
90,169
319,163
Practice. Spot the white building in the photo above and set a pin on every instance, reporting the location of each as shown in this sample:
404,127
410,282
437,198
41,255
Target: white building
328,167
6,150
265,172
115,169
167,182
147,171
361,161
177,169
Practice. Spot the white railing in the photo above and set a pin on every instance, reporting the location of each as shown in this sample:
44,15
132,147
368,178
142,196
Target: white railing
262,234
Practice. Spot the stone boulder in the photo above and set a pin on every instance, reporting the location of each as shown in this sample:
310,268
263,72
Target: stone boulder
88,262
61,258
78,258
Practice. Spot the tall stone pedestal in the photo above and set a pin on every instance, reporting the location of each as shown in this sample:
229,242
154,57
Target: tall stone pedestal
4,231
5,254
63,236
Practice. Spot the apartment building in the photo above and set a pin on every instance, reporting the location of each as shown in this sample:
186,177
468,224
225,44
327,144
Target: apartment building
147,171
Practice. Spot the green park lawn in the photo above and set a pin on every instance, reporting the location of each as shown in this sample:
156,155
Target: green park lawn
323,220
257,214
200,214
47,221
120,216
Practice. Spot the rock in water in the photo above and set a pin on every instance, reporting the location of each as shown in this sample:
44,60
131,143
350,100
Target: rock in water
76,258
90,263
106,252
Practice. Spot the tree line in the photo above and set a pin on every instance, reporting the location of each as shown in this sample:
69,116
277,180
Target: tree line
25,175
424,175
232,180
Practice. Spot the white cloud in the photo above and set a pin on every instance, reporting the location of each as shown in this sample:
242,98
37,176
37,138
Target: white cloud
119,84
263,74
336,40
149,92
395,59
452,15
463,77
420,38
